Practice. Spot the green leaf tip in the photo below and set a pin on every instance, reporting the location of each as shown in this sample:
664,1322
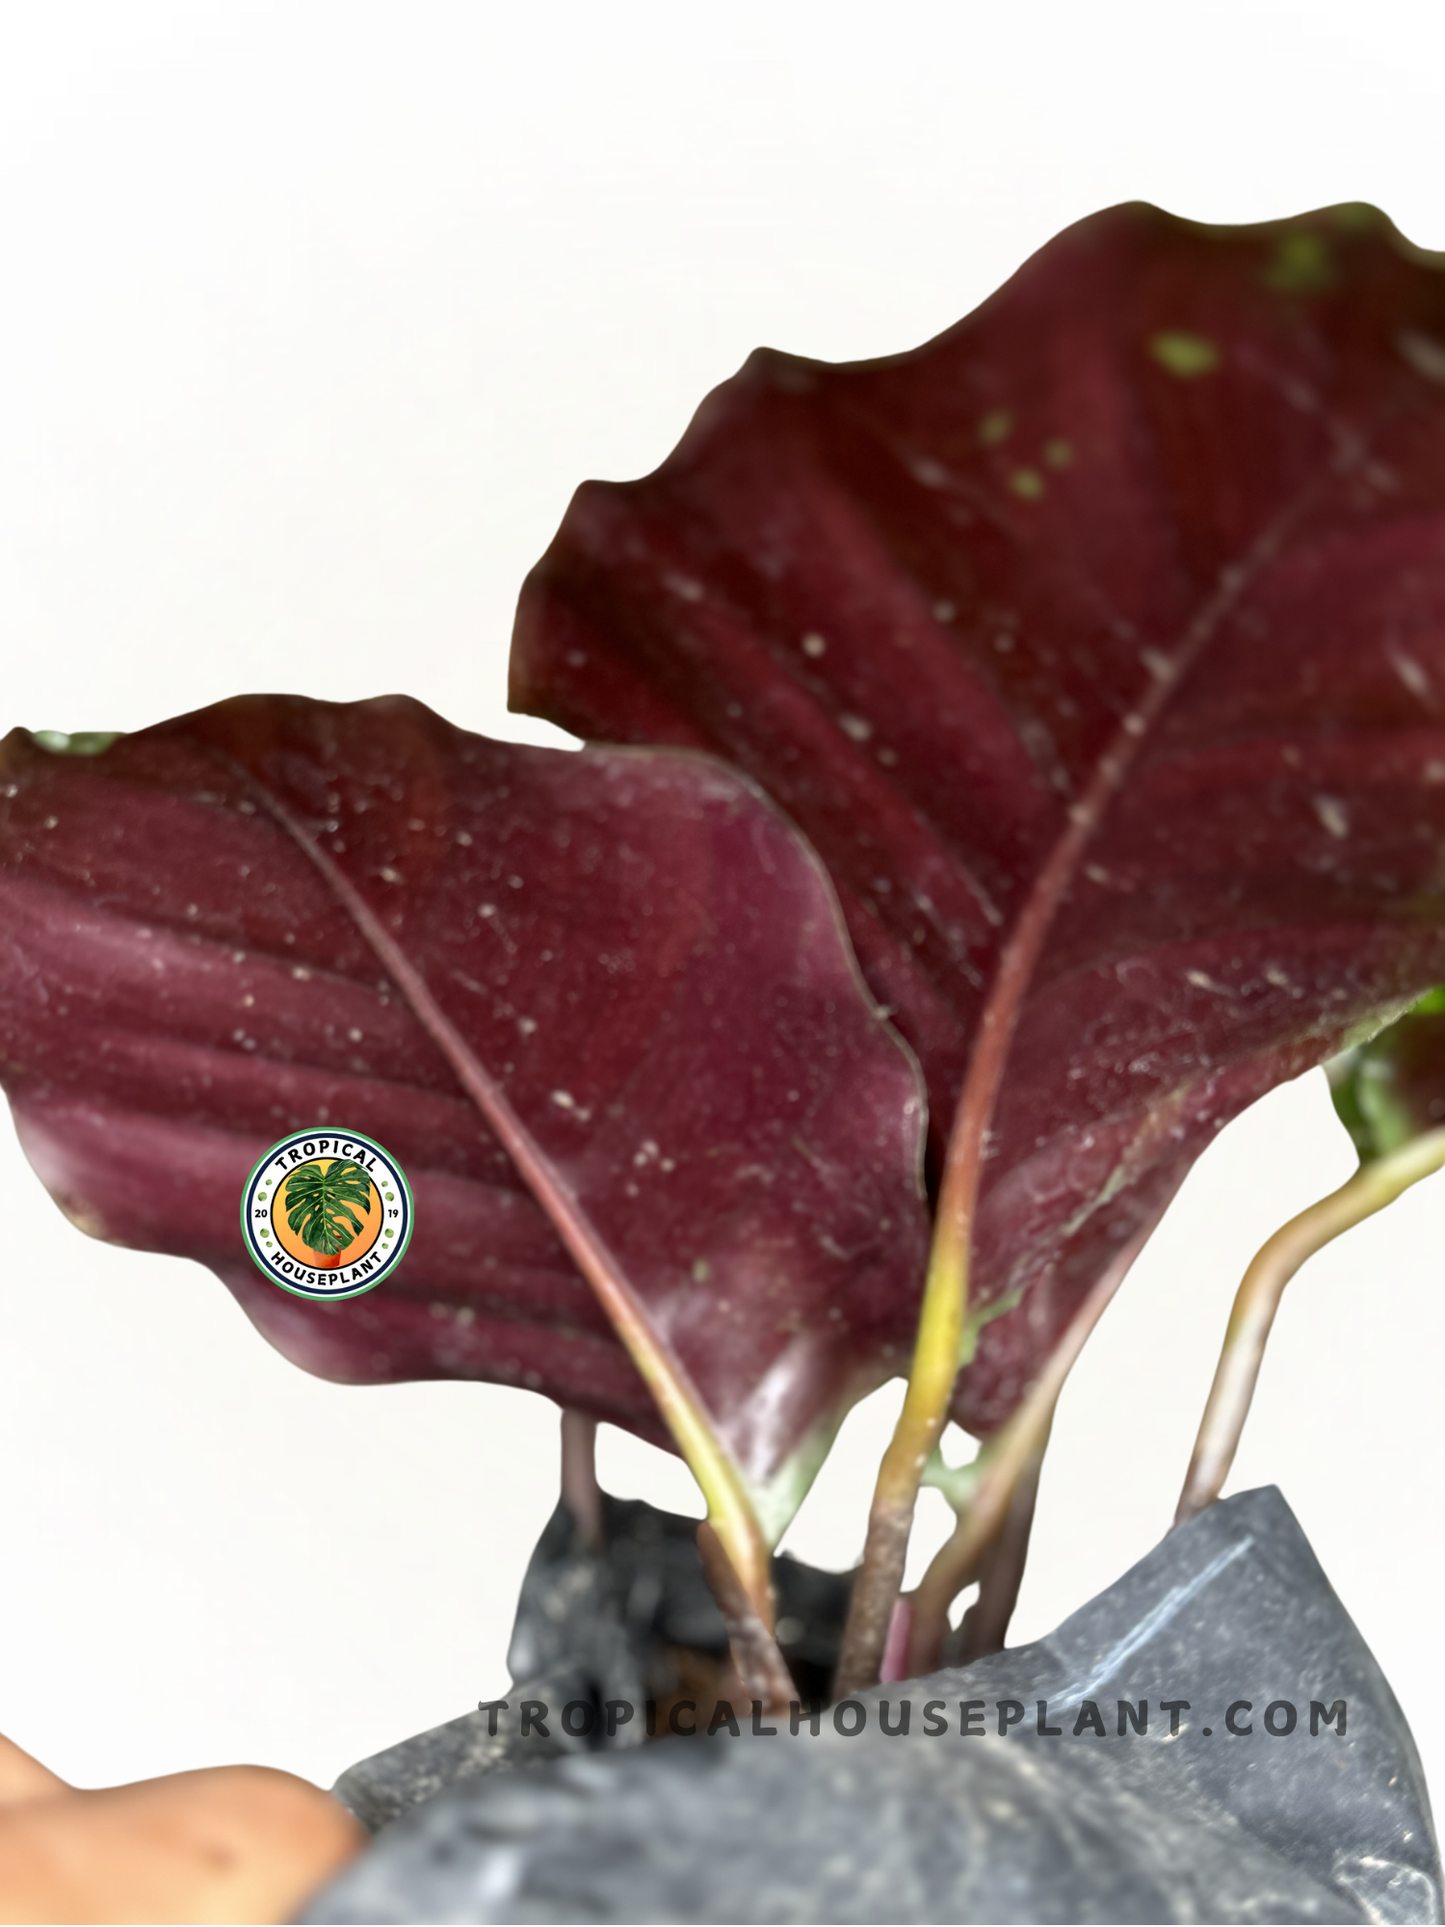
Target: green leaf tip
1382,1088
1357,217
84,742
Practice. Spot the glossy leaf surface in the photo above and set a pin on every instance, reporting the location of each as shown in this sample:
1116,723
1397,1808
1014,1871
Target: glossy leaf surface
635,945
1152,544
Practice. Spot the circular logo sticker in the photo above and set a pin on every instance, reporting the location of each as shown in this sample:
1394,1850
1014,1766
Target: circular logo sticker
327,1214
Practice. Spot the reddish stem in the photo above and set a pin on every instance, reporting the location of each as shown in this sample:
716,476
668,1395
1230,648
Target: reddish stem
940,1331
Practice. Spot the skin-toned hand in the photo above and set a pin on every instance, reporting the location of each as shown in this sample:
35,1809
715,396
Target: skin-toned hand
233,1843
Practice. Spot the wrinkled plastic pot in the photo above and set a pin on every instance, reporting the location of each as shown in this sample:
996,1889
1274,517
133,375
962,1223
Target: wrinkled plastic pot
1216,1810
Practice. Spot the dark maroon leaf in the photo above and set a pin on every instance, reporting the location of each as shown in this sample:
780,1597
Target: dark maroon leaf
639,949
1156,537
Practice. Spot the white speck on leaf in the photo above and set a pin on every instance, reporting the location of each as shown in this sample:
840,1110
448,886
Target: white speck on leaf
1411,674
1424,354
1201,980
1333,815
855,727
813,644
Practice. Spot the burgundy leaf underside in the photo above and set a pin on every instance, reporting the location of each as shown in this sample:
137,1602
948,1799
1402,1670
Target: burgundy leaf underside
932,604
636,947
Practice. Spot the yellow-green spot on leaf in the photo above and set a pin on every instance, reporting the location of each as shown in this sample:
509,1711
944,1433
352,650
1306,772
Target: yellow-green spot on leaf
1028,483
995,427
1301,264
1184,354
85,742
1058,453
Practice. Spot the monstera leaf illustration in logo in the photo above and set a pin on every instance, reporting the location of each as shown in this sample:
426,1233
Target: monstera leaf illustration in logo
318,1201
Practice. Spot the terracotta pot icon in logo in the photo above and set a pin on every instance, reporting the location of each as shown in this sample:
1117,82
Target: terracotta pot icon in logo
321,1206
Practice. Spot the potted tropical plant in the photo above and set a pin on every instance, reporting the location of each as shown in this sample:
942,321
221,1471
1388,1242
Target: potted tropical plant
1011,758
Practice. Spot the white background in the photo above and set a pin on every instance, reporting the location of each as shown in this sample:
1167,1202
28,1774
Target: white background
312,317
